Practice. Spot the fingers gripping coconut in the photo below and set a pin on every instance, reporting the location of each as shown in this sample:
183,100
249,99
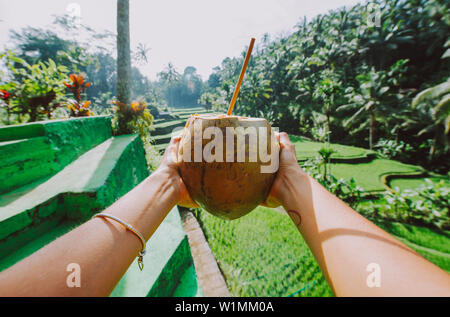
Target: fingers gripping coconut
228,163
228,178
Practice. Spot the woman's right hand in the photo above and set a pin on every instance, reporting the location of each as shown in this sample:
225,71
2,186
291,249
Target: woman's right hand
289,172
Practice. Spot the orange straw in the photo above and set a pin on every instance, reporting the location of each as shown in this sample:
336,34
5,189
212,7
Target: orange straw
241,77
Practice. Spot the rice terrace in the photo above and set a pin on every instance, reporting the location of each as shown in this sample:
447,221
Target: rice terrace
362,91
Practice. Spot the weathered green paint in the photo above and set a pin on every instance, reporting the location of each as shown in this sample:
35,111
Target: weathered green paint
189,285
20,240
90,183
22,131
168,279
49,147
70,138
23,161
167,258
41,237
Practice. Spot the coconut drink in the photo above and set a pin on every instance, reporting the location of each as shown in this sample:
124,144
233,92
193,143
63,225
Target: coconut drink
228,163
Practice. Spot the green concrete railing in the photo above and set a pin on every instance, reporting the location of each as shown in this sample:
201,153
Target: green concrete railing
56,174
34,150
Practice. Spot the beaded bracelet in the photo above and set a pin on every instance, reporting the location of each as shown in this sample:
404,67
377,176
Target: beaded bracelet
129,227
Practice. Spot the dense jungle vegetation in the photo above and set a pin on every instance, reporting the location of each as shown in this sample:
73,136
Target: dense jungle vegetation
374,75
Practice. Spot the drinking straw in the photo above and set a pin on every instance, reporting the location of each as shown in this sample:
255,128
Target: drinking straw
241,77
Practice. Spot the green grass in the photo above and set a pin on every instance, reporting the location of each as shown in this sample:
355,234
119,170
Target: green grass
367,175
432,244
161,147
306,149
426,237
163,128
188,110
168,123
167,126
263,254
163,138
416,183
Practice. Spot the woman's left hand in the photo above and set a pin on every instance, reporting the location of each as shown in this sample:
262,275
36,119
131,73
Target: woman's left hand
169,165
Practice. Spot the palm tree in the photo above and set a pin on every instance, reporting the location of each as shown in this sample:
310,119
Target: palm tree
431,114
368,101
326,93
123,53
170,76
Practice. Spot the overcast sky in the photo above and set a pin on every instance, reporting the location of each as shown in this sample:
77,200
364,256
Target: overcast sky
200,33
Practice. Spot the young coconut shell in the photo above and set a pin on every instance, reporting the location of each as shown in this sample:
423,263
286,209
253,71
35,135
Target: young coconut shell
228,186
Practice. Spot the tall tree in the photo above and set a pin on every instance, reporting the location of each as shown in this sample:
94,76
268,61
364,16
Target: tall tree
169,76
123,52
369,101
430,111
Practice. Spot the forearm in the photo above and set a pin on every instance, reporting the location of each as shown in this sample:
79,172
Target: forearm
102,248
344,244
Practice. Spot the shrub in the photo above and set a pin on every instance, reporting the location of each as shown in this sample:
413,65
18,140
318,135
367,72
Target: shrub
133,118
348,191
391,149
77,86
154,111
34,91
429,205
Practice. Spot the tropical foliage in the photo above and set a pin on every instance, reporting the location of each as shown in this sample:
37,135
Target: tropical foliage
181,90
354,78
30,91
77,86
132,118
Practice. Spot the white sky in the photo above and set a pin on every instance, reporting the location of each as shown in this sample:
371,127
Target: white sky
200,33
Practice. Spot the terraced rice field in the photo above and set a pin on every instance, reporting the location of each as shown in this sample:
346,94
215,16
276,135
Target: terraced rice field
306,149
368,175
262,253
416,183
163,128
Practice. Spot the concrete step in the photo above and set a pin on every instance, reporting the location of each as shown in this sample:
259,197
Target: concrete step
21,131
167,127
94,170
42,239
166,263
57,143
165,138
189,285
24,161
90,183
161,147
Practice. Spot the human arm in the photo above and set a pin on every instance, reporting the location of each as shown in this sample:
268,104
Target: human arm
102,248
345,244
